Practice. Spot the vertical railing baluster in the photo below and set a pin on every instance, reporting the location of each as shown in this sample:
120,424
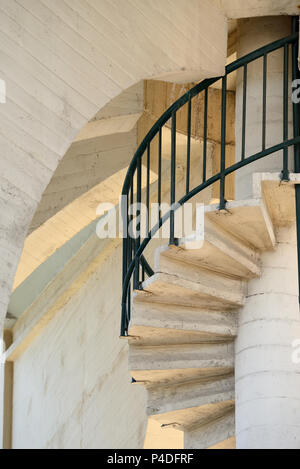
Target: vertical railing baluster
131,195
244,119
130,250
159,174
285,171
188,156
223,144
138,224
148,190
128,306
205,135
264,105
173,179
124,209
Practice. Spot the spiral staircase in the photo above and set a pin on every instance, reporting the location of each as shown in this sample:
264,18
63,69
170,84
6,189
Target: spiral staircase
182,321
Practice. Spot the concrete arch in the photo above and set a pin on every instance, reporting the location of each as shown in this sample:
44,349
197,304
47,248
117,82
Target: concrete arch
62,62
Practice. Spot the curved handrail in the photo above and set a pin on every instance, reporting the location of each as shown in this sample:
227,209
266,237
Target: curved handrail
259,53
133,258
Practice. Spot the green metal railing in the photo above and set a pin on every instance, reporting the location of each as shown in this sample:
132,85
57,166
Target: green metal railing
135,266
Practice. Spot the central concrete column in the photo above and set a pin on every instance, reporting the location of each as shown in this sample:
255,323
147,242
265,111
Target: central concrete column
267,379
254,33
267,374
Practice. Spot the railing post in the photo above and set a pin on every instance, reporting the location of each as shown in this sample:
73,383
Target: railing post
244,111
136,282
264,103
223,143
285,171
124,211
296,126
173,180
159,194
188,152
148,188
205,135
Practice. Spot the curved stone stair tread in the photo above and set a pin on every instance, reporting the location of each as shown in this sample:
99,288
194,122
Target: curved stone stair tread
149,378
180,363
157,324
219,252
170,356
248,220
187,419
206,290
164,399
216,433
279,197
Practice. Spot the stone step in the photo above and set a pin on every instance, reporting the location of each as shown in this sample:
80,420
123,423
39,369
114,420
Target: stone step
279,196
164,399
158,324
248,220
219,251
188,420
180,283
180,363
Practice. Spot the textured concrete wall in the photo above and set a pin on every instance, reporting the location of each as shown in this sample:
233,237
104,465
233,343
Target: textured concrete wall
72,386
62,62
267,380
95,156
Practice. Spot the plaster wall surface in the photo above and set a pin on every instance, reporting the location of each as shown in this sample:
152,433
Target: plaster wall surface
267,378
62,62
86,165
72,388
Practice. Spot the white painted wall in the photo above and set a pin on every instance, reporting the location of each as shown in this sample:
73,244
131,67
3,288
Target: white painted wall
72,386
62,62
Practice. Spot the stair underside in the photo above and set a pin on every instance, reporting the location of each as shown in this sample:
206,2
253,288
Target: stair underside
218,433
164,399
180,363
171,289
158,324
154,377
188,419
